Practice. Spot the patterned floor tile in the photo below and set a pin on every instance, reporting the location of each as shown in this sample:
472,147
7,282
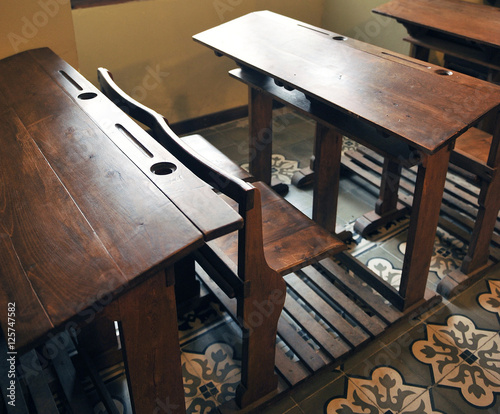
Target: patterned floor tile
316,383
396,354
284,406
383,264
464,357
317,402
450,401
468,303
490,300
211,377
383,391
195,321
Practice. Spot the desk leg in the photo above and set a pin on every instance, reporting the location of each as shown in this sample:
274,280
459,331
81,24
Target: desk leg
387,207
476,261
419,52
260,116
148,329
187,287
327,154
424,218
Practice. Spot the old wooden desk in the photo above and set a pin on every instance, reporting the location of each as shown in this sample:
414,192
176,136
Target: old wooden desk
461,29
93,216
399,106
468,32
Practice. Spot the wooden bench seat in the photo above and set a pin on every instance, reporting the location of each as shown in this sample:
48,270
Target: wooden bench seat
211,153
276,239
474,144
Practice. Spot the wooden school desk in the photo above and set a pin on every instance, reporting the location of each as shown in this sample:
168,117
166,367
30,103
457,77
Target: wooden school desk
461,29
469,36
93,216
409,111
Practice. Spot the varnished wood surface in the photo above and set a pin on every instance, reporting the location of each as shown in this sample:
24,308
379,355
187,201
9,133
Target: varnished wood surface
390,91
247,265
469,21
82,216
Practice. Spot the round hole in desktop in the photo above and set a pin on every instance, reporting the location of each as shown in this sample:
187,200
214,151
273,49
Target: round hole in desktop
444,72
163,168
339,38
87,95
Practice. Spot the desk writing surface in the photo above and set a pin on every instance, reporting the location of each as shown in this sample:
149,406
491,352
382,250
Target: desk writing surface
81,219
471,21
397,94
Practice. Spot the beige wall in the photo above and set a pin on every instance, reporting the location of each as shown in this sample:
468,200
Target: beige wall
148,47
353,18
29,24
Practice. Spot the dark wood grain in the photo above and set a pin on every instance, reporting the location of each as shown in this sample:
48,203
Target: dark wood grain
354,77
40,220
91,207
470,32
275,239
420,105
161,359
460,18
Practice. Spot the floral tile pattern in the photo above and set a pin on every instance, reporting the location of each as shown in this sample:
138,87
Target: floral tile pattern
491,301
463,357
281,168
385,392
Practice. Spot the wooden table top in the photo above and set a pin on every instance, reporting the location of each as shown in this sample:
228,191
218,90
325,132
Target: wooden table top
399,95
470,21
87,209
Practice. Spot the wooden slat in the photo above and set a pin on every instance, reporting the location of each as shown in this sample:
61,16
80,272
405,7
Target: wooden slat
353,335
370,323
365,306
376,302
97,381
459,204
335,347
312,359
292,371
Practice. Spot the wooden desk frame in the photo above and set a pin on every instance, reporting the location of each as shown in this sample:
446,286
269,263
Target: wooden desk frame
331,126
86,172
437,35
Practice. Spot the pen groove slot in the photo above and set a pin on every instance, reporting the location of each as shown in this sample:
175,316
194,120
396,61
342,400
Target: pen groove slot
71,80
125,132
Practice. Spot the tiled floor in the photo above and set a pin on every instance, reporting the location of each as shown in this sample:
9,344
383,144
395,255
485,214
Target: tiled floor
445,361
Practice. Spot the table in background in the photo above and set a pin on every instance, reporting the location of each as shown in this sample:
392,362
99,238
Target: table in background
461,29
409,111
469,36
93,216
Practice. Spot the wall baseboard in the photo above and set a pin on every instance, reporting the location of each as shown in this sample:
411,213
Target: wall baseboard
206,121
